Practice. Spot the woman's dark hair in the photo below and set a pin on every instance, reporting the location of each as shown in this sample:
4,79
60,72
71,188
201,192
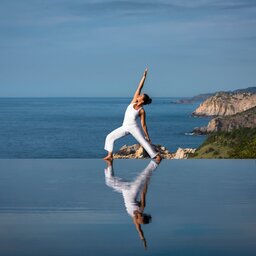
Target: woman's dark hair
147,99
146,218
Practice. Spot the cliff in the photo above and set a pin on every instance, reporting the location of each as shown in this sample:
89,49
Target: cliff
224,104
228,123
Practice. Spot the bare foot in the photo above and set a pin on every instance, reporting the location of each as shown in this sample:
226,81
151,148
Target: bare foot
108,157
158,159
109,162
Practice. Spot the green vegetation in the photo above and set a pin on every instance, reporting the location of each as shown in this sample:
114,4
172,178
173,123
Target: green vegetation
239,143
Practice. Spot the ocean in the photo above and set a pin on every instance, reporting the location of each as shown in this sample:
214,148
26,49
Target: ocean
77,127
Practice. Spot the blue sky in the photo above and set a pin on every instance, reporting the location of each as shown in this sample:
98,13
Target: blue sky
100,48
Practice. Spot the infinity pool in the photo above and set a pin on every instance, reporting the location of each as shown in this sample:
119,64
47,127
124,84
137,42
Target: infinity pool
83,207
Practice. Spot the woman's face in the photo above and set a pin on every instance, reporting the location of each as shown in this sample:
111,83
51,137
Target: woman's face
141,98
139,218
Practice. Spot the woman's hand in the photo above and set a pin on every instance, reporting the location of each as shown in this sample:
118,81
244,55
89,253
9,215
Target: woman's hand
145,72
148,139
137,93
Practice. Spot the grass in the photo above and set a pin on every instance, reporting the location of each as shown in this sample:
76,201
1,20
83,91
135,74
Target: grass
239,143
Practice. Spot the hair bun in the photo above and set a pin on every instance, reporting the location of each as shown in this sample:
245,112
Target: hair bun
147,99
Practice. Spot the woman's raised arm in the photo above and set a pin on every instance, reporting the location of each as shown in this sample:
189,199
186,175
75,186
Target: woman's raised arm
140,86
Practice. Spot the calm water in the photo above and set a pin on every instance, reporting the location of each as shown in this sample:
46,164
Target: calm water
77,127
67,207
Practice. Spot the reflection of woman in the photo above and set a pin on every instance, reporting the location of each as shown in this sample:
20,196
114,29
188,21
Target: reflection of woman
131,192
134,110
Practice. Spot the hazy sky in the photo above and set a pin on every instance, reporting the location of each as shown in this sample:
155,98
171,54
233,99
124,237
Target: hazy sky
100,48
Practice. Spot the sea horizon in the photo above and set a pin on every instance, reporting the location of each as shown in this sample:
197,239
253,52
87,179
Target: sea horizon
76,127
172,97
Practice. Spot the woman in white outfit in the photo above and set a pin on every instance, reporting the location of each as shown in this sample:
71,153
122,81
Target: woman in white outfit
131,192
130,126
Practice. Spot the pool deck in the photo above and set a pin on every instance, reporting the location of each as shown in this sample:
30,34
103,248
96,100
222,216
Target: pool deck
67,207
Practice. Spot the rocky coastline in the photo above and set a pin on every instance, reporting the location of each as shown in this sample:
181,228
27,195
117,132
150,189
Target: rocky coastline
136,151
232,130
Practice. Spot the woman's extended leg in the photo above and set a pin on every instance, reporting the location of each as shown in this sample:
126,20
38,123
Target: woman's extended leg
110,140
137,134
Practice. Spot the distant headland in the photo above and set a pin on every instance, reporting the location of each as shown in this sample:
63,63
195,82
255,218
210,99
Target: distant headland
203,96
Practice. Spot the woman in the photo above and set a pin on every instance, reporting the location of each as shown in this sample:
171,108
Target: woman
130,126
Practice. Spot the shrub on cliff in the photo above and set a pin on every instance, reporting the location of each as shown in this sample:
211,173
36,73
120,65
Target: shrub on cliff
239,143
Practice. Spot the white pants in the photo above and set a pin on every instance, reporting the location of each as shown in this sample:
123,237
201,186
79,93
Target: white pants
135,131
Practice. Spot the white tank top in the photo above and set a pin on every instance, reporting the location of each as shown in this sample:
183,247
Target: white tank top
131,115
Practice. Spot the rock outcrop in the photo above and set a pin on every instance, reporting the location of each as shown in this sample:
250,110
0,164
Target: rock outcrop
224,104
137,151
183,153
246,119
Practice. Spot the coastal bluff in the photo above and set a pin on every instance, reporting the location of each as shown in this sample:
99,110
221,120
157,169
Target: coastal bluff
136,151
225,104
236,144
246,119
